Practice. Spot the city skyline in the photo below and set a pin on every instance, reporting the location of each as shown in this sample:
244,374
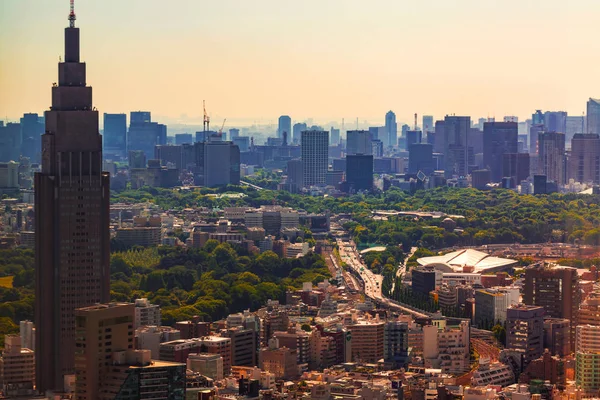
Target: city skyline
159,67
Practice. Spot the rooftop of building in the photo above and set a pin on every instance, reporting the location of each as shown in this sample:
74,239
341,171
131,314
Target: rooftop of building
106,306
158,364
457,260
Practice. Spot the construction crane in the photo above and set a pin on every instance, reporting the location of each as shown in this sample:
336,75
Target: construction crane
222,126
206,123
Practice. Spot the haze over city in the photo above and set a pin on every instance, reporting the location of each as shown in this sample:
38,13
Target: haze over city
254,61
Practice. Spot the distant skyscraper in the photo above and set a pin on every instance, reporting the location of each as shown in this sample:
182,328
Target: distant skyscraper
458,153
499,138
295,177
233,133
413,137
359,171
184,138
551,159
72,197
574,125
31,131
537,118
515,166
511,118
555,121
115,136
334,136
285,125
420,158
428,125
221,164
391,129
584,161
358,142
439,138
593,116
374,132
534,133
315,156
145,134
10,142
297,134
169,154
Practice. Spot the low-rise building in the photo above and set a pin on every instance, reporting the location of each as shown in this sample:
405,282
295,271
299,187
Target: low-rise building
17,367
146,314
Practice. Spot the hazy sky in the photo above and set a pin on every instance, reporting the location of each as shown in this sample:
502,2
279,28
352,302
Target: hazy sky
325,59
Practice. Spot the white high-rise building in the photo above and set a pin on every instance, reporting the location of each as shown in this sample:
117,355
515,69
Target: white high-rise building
315,156
146,314
27,333
587,357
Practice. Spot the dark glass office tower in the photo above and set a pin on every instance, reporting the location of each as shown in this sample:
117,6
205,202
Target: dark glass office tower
71,219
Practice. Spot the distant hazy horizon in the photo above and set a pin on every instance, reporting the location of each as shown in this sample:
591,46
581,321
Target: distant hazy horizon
325,60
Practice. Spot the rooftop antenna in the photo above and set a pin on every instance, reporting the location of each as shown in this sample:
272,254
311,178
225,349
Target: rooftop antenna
415,121
72,15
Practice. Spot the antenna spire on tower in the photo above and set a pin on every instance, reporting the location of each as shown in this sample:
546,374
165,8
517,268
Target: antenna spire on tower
72,15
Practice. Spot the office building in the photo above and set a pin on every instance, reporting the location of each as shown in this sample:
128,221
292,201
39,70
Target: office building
9,178
423,281
491,305
27,333
315,157
534,134
221,162
17,367
279,361
146,314
144,134
133,375
555,288
243,142
551,156
209,365
32,128
297,340
458,154
295,175
367,340
413,137
557,336
137,159
297,131
115,136
574,125
285,125
144,236
446,345
358,142
584,161
377,148
395,343
420,158
184,138
234,133
374,132
391,129
593,116
243,346
515,166
499,138
334,136
428,125
10,142
587,358
589,310
101,330
150,338
525,330
555,121
169,155
359,172
71,200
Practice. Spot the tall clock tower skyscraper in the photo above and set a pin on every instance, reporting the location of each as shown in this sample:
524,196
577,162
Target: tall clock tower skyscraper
71,218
